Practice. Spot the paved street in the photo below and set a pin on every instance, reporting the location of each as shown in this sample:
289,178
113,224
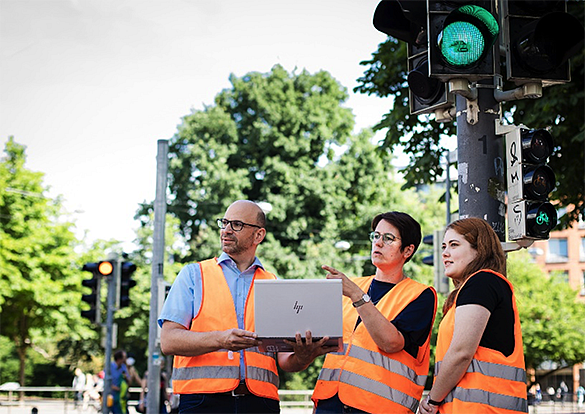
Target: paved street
58,407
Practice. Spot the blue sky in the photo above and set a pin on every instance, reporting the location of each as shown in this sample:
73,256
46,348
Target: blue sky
89,86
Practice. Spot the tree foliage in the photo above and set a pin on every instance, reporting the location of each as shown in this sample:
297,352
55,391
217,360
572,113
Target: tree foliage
38,277
273,137
550,314
286,139
561,108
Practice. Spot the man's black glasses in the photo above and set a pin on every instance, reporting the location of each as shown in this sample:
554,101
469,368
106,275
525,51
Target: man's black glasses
237,225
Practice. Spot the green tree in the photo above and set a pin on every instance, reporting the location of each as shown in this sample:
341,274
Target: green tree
286,139
561,107
39,294
133,321
550,314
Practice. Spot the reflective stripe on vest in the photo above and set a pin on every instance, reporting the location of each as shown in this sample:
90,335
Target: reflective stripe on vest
399,378
388,364
493,382
372,386
491,399
491,369
219,371
230,372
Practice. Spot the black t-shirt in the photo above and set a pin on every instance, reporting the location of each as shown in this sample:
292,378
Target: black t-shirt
493,293
414,322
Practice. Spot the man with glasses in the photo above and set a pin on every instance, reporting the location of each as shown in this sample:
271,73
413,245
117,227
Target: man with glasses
387,322
208,320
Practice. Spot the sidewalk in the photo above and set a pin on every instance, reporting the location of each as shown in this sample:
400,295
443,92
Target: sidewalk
59,407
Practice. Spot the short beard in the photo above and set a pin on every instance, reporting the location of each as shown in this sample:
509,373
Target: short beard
234,248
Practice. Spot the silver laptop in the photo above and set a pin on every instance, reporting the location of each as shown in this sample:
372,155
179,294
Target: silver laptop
285,307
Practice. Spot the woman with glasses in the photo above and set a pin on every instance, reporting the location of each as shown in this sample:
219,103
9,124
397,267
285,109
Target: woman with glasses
479,365
387,321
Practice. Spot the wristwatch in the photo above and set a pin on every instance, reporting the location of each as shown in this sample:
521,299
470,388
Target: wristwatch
433,402
365,299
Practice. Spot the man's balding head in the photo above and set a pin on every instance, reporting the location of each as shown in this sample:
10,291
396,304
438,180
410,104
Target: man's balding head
245,208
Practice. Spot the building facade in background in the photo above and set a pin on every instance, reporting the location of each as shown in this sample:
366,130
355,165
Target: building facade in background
563,256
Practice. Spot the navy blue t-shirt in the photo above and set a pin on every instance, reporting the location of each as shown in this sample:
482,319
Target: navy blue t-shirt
414,322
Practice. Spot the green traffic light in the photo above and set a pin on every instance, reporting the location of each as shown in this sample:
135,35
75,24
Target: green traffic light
462,44
541,218
467,34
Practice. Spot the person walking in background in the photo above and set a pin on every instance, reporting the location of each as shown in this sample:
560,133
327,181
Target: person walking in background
163,396
479,362
562,392
580,395
208,324
133,376
387,322
79,385
538,394
92,392
551,393
119,373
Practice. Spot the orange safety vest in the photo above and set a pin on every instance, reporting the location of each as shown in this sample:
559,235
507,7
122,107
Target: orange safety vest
367,378
493,383
219,371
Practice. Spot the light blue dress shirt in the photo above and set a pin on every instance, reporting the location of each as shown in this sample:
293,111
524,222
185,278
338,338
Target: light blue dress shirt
184,299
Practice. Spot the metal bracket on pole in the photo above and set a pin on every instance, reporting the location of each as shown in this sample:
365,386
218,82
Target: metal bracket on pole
472,112
526,91
445,114
517,245
502,129
461,87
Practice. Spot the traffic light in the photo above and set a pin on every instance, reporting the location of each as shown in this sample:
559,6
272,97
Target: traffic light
462,35
126,283
540,37
98,270
436,260
406,20
530,181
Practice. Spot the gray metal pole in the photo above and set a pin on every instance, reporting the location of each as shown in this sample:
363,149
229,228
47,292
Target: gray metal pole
112,281
447,192
480,159
158,254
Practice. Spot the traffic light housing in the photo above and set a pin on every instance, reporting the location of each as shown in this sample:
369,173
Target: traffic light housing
126,282
530,180
93,299
435,240
540,37
462,35
406,20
